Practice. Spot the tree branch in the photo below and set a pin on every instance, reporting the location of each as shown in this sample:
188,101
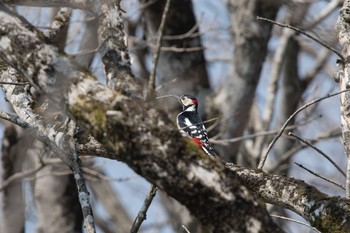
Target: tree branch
113,49
141,216
342,27
58,135
284,126
152,79
299,197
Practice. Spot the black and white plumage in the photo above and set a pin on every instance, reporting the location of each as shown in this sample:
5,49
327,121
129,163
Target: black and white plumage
190,125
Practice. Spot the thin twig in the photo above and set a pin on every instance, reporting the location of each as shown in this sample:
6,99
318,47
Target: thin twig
142,44
185,228
98,176
151,84
188,34
213,126
199,123
160,86
26,173
166,96
10,83
141,216
319,151
272,143
305,34
258,134
293,220
20,175
249,136
179,50
319,176
336,132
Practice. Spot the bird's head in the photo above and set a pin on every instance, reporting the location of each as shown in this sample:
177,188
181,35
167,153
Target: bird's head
188,101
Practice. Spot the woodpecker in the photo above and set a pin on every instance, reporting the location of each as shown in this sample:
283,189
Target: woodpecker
190,124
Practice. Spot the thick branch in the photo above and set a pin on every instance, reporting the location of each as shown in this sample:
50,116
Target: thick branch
56,134
113,49
327,214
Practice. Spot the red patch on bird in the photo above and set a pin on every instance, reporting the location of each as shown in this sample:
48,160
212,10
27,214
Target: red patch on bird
197,141
195,101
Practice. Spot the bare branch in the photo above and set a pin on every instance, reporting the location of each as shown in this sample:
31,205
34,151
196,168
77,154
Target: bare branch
296,195
272,143
305,34
296,221
141,216
151,82
20,175
319,151
319,176
336,132
9,83
250,136
185,228
59,136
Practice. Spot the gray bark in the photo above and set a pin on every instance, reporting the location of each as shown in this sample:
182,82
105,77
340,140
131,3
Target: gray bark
316,207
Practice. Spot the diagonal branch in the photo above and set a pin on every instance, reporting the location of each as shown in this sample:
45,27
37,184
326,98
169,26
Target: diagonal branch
284,126
59,136
141,216
303,199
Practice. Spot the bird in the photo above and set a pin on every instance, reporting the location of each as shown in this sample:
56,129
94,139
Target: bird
190,124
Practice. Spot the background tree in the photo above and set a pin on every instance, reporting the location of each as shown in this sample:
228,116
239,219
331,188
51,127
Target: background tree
77,89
